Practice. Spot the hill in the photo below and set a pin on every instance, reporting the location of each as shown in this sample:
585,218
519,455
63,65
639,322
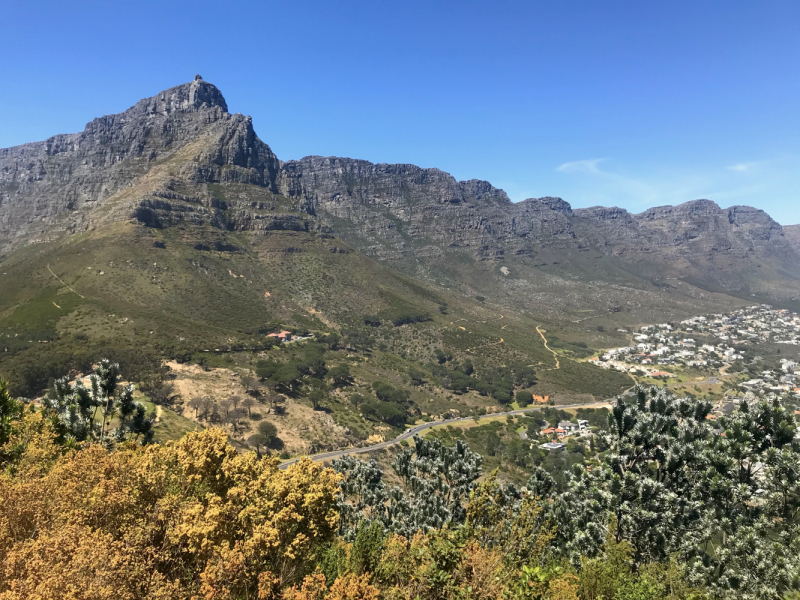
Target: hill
171,158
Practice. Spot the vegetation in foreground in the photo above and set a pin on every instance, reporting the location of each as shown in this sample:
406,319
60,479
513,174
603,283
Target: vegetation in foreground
670,509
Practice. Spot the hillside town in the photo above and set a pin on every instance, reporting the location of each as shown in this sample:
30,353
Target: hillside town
716,344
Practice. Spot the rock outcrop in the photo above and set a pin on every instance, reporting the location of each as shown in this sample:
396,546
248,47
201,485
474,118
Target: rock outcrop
792,233
391,210
62,179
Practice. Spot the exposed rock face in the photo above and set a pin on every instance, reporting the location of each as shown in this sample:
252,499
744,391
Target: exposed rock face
792,233
66,176
390,210
696,226
159,162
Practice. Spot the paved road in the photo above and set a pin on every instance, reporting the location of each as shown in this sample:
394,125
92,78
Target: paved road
409,433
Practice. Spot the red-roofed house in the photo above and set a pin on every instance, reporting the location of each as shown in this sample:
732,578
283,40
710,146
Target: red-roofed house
283,335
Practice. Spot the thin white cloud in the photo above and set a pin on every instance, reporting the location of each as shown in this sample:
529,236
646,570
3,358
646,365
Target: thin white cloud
742,166
633,187
772,184
582,166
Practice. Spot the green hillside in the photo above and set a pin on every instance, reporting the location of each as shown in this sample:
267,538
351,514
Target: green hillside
142,294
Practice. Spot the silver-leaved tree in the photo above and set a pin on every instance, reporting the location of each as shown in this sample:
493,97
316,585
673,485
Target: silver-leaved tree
721,496
437,482
102,411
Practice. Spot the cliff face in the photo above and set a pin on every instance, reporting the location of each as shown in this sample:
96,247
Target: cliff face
389,210
180,156
62,179
692,228
792,233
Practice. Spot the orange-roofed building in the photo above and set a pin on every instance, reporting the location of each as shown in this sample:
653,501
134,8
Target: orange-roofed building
283,335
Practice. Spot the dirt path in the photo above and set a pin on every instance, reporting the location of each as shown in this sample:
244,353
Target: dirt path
549,349
62,283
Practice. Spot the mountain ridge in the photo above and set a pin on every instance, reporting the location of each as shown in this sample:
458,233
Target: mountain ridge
134,165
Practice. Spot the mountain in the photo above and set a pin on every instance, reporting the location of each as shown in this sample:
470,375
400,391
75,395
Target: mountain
54,187
421,221
171,228
413,216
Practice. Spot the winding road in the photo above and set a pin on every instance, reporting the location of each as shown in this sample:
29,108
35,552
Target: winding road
409,433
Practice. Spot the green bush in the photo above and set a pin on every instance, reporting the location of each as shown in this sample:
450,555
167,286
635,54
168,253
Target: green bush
524,398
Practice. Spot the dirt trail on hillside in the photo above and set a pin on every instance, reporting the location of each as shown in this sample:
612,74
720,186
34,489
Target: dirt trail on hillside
549,349
64,284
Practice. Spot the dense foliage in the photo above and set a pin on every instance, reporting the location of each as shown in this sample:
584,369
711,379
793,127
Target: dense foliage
721,494
497,382
437,481
161,521
89,412
676,506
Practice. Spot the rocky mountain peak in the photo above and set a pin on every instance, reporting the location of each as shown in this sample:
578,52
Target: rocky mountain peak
194,96
693,208
61,180
549,203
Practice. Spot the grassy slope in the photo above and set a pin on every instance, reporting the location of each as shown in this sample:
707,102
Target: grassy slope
112,291
112,283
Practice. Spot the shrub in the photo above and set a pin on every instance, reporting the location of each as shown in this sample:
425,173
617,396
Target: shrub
524,398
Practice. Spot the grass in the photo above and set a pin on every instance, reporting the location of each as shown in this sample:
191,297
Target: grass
171,426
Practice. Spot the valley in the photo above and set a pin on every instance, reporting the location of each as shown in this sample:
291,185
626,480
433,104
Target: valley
178,254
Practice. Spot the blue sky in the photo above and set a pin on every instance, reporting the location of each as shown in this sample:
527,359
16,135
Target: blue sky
633,104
